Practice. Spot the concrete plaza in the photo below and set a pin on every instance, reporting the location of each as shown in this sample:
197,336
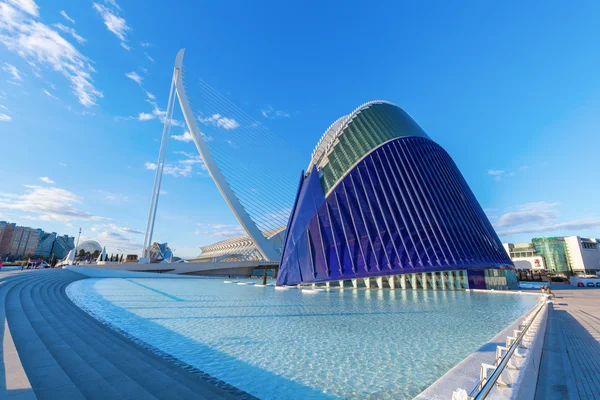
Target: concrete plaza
570,365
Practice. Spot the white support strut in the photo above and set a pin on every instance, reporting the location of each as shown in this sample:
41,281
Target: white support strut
266,248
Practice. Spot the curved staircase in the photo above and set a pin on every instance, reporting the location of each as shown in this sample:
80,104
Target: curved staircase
54,350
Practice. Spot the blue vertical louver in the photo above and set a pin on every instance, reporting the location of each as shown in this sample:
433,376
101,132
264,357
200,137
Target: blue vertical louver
403,208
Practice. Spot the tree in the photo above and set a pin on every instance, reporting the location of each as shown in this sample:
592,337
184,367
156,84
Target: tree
81,253
95,254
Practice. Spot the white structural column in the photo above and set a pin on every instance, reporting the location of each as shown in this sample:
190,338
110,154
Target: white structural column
160,164
391,281
266,248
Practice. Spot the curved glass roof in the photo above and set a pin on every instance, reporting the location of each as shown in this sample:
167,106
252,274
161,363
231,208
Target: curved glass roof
353,136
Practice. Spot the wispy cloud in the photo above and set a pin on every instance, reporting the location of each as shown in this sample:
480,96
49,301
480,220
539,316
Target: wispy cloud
185,137
170,169
62,164
150,96
220,230
220,121
540,212
47,93
39,44
134,76
125,229
148,57
145,116
113,196
574,225
272,113
5,117
70,31
113,22
500,174
183,167
14,72
48,204
45,179
66,16
27,6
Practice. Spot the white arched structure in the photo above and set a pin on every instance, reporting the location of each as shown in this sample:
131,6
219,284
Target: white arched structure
266,248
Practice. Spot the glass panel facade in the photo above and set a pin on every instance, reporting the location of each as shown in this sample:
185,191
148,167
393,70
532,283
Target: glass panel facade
555,253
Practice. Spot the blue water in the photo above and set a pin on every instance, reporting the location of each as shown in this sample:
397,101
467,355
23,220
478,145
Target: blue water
355,344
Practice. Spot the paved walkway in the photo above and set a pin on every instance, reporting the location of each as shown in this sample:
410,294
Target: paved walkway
51,349
570,365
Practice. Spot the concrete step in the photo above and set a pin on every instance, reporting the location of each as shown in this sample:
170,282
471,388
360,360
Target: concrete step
47,378
68,354
14,383
150,369
76,364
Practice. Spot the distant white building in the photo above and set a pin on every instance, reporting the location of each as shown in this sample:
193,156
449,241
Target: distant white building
563,255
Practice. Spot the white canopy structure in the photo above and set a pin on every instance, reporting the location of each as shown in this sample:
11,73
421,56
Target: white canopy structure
102,255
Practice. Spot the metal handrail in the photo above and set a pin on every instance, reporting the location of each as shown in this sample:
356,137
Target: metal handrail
491,381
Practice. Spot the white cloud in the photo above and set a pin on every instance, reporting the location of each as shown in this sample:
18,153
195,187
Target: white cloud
62,164
574,225
220,230
116,242
144,44
150,96
175,170
540,212
146,117
46,180
148,57
125,46
135,77
28,6
495,172
271,113
125,230
220,121
49,203
163,192
183,167
66,16
5,117
50,94
70,31
162,114
113,196
113,3
185,137
38,43
14,72
113,22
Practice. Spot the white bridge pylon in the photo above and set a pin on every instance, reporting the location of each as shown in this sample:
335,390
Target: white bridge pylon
266,248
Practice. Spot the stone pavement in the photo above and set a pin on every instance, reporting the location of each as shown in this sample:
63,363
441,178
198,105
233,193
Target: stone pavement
570,365
51,349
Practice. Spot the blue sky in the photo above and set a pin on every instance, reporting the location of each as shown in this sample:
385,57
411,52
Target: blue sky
510,90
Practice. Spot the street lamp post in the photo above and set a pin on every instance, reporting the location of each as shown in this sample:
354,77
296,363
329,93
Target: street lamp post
77,245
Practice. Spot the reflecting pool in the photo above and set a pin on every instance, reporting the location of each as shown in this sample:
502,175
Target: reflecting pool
278,344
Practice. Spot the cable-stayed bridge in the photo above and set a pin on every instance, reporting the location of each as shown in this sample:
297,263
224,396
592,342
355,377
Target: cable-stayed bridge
242,157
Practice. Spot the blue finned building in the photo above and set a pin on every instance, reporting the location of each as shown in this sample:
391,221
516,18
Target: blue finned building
381,202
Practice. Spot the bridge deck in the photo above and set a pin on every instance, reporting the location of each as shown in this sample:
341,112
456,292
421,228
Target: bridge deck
54,350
